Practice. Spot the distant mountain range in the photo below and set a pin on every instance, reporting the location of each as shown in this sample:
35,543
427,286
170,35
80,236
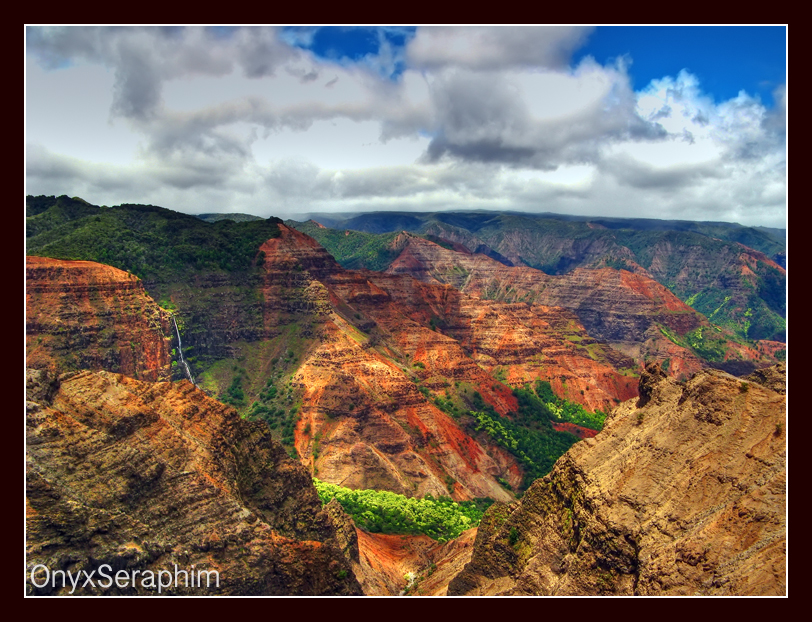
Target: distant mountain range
732,274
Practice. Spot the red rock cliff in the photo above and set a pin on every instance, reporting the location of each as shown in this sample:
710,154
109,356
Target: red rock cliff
86,315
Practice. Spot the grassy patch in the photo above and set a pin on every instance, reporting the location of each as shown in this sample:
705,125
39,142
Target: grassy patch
380,511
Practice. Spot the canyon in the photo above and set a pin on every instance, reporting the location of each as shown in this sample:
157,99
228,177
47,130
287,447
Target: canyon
371,379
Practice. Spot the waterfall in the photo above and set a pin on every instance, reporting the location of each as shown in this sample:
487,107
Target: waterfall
180,351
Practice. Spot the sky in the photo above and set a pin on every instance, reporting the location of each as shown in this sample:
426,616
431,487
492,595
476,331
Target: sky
682,122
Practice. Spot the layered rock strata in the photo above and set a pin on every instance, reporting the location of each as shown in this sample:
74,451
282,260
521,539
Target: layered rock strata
682,493
86,315
380,344
629,310
147,477
363,423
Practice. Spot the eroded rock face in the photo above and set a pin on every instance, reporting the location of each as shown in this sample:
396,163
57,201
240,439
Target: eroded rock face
392,565
523,342
86,315
685,495
623,308
145,476
378,338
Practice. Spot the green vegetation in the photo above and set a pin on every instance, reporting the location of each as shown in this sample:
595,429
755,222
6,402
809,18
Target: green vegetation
710,347
781,355
257,383
534,443
618,264
352,249
151,242
528,434
278,419
380,511
559,409
234,395
235,216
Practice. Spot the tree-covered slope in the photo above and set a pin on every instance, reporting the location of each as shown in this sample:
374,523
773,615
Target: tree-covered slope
151,242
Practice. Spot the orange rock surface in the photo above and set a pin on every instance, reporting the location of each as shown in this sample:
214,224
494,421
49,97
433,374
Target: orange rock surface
144,476
624,309
86,315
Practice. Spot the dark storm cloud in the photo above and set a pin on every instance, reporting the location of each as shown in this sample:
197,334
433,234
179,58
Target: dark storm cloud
42,164
487,150
49,172
630,172
481,117
182,170
137,93
398,181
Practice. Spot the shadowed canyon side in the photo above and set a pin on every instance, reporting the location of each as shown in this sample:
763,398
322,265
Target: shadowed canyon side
86,315
144,477
682,493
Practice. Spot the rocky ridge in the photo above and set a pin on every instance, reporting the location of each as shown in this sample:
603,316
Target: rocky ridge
627,309
682,493
725,279
363,422
148,476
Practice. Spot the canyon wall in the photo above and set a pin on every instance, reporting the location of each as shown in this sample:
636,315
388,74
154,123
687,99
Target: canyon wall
86,315
145,476
682,493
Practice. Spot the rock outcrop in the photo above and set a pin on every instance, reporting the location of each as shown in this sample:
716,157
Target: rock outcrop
126,475
87,315
684,494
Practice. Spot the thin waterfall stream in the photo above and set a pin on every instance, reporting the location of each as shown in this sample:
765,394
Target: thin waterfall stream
180,351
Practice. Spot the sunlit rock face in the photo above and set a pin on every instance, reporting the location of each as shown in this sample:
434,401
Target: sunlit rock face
145,477
682,493
86,315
